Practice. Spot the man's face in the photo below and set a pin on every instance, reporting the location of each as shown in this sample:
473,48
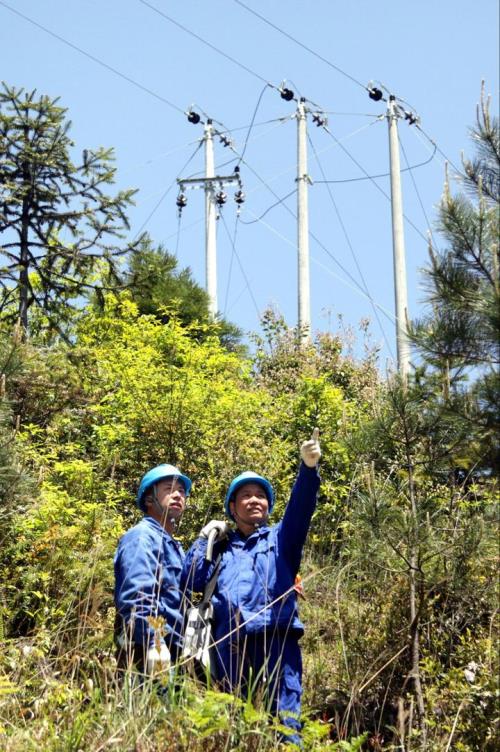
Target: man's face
250,505
171,496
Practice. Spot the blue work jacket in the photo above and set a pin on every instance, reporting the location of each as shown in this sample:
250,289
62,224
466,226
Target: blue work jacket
148,564
254,589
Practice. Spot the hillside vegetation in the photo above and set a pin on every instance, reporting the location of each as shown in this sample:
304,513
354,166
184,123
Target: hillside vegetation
400,571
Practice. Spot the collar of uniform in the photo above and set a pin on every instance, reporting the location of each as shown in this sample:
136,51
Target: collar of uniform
238,537
156,525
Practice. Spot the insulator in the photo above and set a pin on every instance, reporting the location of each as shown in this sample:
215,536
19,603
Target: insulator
181,201
239,197
319,119
193,117
220,198
411,117
225,140
237,169
375,94
286,94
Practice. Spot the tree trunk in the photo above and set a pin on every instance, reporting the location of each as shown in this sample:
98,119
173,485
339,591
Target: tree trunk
24,252
415,612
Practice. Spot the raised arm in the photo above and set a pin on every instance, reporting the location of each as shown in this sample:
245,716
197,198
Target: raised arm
295,523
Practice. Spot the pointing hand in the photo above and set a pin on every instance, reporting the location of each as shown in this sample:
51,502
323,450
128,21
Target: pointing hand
310,451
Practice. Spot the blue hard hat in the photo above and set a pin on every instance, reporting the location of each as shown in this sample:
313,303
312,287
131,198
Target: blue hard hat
248,477
160,473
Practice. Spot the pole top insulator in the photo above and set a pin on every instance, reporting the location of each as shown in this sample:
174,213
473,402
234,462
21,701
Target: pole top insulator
193,117
286,94
375,94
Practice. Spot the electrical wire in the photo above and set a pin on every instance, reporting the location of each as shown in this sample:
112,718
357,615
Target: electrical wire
205,42
429,229
166,192
277,203
433,142
353,254
93,57
356,287
259,100
316,239
233,246
304,46
380,175
377,186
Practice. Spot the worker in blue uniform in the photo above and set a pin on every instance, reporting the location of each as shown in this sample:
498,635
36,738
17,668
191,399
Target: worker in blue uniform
257,627
148,564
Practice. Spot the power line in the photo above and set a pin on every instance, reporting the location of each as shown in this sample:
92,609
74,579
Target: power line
304,46
356,287
93,57
259,100
316,239
380,175
277,203
166,192
351,248
368,177
233,246
416,189
205,42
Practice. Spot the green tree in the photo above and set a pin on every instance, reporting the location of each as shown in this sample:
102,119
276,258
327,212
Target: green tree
460,335
160,289
57,222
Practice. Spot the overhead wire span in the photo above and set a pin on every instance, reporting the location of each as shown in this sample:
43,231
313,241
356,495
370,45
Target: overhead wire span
259,100
356,287
233,247
301,44
93,57
353,253
409,168
316,239
166,192
321,151
205,42
269,208
368,177
440,151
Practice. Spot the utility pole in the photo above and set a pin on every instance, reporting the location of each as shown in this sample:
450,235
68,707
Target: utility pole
210,220
398,243
303,181
214,200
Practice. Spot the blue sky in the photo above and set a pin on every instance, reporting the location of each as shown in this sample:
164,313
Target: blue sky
433,55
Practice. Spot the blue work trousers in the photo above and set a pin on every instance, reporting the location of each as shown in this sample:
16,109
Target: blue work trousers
268,665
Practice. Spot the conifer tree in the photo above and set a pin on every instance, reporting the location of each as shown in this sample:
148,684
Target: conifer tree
57,222
460,337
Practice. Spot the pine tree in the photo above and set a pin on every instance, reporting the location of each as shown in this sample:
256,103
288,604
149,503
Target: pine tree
460,337
161,289
57,223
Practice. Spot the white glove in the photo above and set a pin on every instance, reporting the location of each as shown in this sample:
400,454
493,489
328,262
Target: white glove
310,451
220,526
157,660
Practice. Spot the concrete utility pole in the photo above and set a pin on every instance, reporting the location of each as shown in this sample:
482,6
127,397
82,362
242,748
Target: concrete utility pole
303,181
398,242
213,199
210,220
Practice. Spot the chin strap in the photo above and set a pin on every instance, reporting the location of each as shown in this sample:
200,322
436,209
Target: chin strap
163,512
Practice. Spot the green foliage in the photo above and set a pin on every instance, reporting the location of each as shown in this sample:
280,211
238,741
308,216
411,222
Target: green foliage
57,220
160,289
399,574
